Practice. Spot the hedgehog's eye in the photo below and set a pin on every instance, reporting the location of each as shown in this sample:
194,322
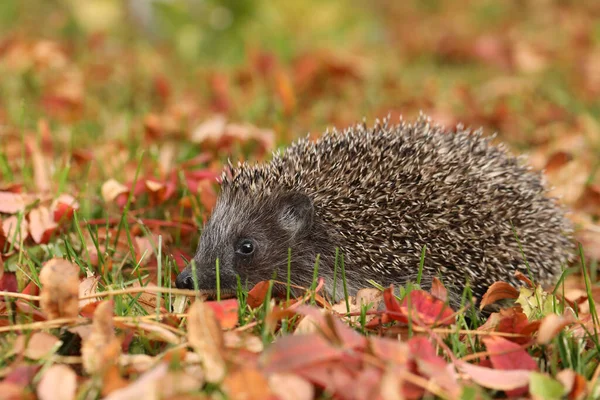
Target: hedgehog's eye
245,247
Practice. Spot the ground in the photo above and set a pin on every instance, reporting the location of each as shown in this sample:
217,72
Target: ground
116,116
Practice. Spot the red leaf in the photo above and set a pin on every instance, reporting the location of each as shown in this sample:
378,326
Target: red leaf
290,353
421,306
226,311
392,306
8,283
257,295
427,309
22,375
507,355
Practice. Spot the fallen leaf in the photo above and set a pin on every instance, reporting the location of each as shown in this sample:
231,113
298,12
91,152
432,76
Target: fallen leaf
206,337
157,383
288,386
12,203
101,349
438,290
210,130
35,347
498,291
15,231
225,311
246,383
41,172
421,307
543,387
293,352
257,295
495,378
63,207
551,325
59,296
59,382
507,355
575,385
111,190
41,224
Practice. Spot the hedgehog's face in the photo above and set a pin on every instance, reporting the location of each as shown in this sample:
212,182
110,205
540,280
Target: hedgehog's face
250,239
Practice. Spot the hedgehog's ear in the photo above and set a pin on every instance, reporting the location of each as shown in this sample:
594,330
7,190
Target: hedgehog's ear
295,212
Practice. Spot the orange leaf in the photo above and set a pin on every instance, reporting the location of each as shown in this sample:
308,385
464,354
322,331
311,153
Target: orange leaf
257,295
498,291
247,383
226,312
438,290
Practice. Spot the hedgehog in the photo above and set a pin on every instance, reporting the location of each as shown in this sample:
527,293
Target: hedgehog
377,196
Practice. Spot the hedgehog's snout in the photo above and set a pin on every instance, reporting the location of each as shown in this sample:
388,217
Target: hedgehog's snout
185,280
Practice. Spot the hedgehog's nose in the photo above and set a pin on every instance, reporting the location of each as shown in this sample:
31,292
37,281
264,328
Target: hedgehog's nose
184,280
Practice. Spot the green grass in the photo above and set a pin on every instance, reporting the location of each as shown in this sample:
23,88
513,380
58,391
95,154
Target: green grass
98,93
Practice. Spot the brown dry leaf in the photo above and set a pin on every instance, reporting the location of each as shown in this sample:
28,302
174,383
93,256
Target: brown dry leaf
234,340
589,237
41,170
154,332
210,130
87,287
285,91
101,349
111,189
144,248
288,386
59,382
438,289
589,202
157,383
551,325
36,347
246,384
14,236
575,385
569,181
527,59
145,299
41,224
206,337
246,132
60,289
367,296
12,203
557,160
